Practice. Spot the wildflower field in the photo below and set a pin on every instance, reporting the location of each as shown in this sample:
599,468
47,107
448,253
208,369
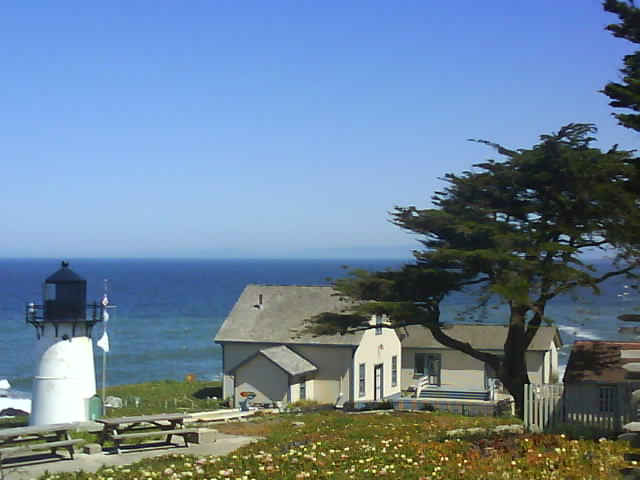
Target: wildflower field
386,445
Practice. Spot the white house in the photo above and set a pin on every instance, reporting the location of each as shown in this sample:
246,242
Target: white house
423,356
266,351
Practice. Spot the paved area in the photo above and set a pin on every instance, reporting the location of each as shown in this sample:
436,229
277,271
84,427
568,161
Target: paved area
35,466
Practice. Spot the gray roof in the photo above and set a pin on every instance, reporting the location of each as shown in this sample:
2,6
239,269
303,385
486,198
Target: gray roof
288,360
482,337
277,314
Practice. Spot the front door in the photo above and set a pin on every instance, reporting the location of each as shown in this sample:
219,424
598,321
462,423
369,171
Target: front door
377,382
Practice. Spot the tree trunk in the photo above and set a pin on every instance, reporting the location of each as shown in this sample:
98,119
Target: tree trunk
513,369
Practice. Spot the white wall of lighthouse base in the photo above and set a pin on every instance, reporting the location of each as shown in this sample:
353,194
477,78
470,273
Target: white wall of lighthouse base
64,377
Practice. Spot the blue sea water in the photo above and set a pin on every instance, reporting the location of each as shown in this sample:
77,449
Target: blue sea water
168,311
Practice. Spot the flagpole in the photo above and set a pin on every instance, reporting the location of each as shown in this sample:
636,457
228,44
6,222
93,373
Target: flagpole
103,343
104,375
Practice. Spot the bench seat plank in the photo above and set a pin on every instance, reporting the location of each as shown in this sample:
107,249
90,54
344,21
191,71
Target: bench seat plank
13,432
118,438
142,418
153,433
34,447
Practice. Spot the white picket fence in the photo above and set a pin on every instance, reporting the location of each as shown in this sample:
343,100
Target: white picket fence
548,406
543,406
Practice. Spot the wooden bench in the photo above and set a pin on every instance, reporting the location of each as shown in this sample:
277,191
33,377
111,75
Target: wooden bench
25,441
166,425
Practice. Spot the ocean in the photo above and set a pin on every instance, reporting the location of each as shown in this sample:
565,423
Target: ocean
168,311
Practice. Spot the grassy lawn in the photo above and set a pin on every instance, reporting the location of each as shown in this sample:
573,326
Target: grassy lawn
389,445
165,396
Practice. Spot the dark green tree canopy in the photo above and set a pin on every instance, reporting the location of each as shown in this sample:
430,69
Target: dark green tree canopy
514,230
626,93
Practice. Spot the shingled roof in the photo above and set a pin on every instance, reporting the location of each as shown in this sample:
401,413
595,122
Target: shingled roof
600,361
277,314
285,358
481,337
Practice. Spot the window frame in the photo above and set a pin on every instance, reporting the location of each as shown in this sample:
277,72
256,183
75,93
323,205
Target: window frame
362,376
428,359
302,393
490,375
607,398
378,324
394,371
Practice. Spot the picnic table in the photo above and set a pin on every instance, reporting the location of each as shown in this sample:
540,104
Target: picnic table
142,426
23,441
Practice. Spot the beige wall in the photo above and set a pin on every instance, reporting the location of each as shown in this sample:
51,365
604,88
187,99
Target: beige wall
234,354
456,368
375,350
551,374
323,386
536,367
555,373
332,377
268,381
543,366
294,389
463,371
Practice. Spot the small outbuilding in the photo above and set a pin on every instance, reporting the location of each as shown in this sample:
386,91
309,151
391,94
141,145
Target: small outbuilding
598,382
266,350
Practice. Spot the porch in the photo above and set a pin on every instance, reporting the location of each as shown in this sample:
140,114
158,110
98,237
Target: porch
462,401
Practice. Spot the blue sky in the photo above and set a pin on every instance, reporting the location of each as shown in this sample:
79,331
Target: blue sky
275,128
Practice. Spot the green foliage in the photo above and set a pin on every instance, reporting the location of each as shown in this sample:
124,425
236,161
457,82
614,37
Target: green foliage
19,421
626,93
512,230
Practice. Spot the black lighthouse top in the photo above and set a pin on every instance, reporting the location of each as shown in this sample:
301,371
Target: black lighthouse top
65,296
65,303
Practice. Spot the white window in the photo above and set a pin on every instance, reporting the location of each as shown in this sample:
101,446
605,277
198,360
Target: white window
490,376
378,324
607,398
361,380
394,371
303,388
427,365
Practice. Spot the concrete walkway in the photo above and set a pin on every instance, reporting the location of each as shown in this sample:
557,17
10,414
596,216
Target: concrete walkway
22,469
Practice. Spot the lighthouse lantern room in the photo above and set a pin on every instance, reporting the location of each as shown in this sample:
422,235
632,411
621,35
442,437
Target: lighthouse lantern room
64,378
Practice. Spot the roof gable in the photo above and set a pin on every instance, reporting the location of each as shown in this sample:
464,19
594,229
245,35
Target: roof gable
288,360
277,314
600,361
284,358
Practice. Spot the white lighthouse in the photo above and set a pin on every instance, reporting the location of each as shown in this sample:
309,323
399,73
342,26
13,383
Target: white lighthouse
64,378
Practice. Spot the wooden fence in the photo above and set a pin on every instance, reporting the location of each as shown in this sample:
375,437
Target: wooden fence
543,406
605,408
